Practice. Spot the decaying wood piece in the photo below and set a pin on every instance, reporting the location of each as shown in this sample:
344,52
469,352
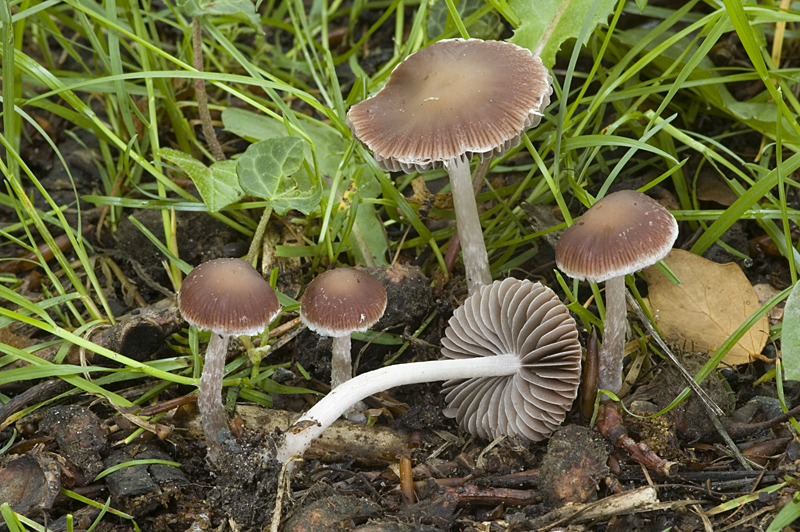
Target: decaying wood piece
629,502
344,440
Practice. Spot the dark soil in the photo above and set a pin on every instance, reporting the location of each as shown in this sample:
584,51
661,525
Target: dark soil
457,482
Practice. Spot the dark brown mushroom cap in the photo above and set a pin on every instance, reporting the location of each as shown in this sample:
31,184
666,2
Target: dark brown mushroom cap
622,233
228,297
528,320
452,99
342,301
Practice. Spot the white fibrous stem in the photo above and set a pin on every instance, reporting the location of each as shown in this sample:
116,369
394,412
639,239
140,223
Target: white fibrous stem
609,375
342,364
473,248
299,437
342,371
209,398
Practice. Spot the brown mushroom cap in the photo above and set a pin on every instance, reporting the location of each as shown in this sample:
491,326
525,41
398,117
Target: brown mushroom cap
228,297
526,319
342,301
622,233
452,99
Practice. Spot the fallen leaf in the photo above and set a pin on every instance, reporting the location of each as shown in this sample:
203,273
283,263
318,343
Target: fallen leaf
713,301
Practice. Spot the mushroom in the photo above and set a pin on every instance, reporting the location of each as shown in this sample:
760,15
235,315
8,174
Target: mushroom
513,368
229,298
445,103
338,303
620,234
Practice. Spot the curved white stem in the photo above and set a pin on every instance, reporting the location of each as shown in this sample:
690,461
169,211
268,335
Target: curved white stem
473,248
298,438
609,375
209,398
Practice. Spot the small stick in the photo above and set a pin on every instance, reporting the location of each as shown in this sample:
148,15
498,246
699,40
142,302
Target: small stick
609,423
407,480
200,92
708,403
714,412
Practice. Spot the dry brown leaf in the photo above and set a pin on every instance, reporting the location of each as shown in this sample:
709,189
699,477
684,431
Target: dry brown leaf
713,301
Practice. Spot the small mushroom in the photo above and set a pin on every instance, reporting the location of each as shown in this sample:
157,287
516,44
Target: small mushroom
513,368
445,103
619,235
229,298
338,303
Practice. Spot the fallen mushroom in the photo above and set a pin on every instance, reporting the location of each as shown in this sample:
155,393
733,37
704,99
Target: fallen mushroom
445,103
338,303
513,368
620,234
229,298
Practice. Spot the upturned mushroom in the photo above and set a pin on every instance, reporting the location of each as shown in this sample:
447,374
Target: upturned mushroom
513,369
229,298
445,103
338,303
619,235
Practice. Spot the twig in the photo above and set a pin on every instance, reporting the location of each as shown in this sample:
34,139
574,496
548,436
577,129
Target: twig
200,92
708,403
714,412
609,423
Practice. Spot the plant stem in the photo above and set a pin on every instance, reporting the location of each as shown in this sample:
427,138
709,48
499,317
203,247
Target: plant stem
258,237
200,92
609,375
476,261
299,437
209,398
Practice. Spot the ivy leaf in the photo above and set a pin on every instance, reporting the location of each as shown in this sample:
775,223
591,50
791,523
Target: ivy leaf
218,185
264,164
567,15
790,337
328,143
244,9
297,191
270,169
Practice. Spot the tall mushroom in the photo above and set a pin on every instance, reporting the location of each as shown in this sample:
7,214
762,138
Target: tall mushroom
229,298
620,234
445,103
338,303
514,369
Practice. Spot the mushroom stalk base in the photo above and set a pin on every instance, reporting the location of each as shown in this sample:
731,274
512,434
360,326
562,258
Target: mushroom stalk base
209,398
609,376
298,438
476,261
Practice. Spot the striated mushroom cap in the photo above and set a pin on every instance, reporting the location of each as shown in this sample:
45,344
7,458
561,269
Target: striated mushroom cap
528,320
342,301
620,234
228,297
450,100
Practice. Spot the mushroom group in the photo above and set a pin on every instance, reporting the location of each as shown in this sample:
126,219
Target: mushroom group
620,234
513,368
445,103
229,298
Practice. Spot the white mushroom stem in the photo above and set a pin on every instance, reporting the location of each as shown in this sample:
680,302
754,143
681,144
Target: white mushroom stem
299,437
476,261
342,371
609,376
341,364
209,398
